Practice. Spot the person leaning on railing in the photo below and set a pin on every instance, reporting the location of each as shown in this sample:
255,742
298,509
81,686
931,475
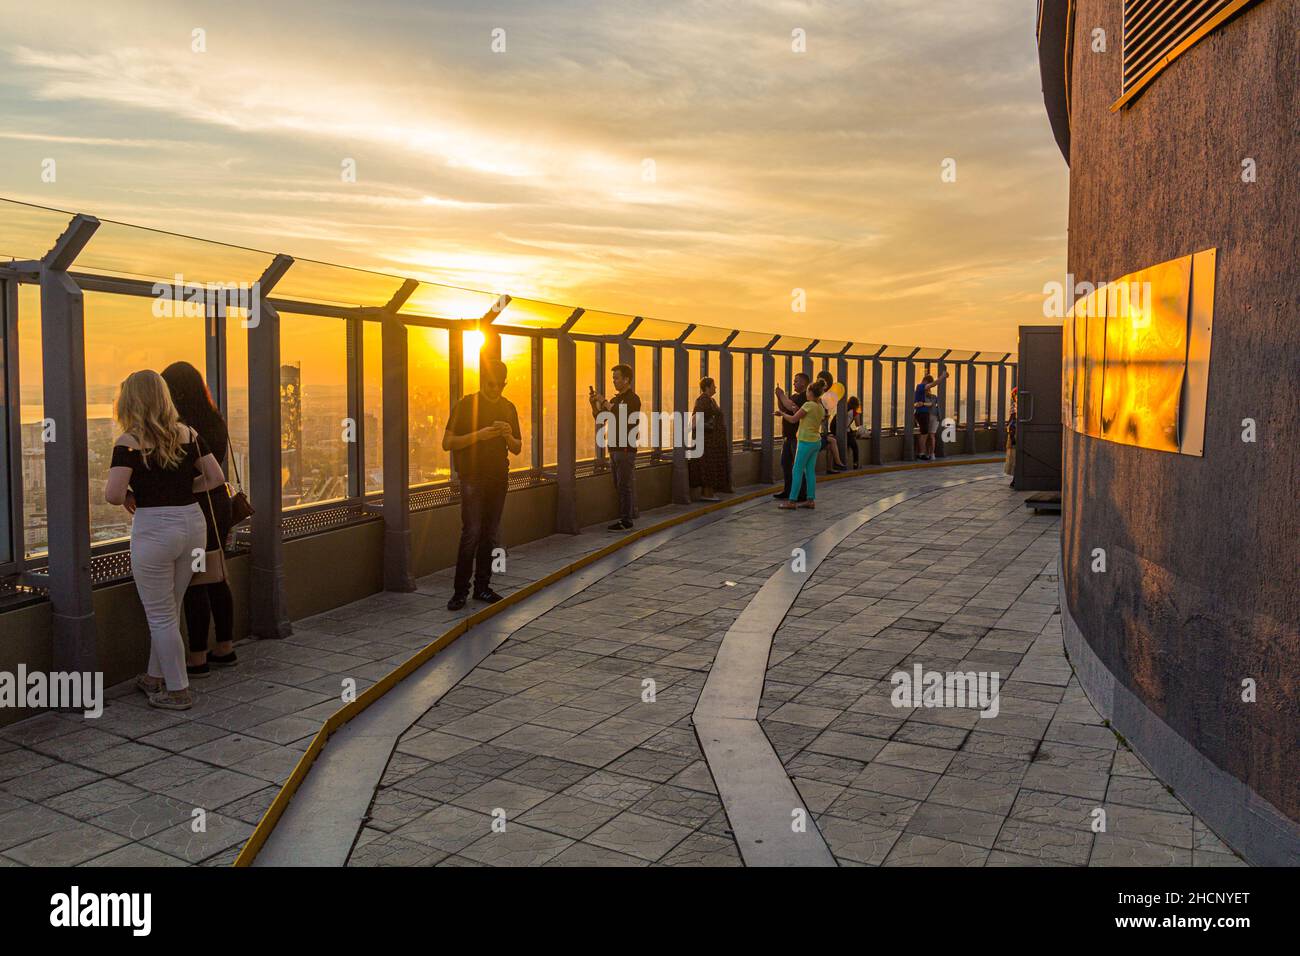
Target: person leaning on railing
159,468
481,434
206,601
621,436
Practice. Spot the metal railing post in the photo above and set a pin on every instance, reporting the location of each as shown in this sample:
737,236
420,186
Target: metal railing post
909,420
970,408
726,390
268,607
939,450
1002,406
397,456
215,356
601,377
877,392
566,428
394,358
747,400
657,400
356,369
681,482
767,461
842,411
537,406
455,365
67,505
893,395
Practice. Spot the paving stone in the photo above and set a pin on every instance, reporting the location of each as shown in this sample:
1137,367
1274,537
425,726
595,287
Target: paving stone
914,849
915,757
585,855
613,789
29,821
517,845
688,808
1142,792
219,833
95,798
703,849
549,774
852,746
855,841
501,795
446,828
987,795
640,836
135,855
1111,850
1056,844
49,781
67,846
956,824
879,809
142,818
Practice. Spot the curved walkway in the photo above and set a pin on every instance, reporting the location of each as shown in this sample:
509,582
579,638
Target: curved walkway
575,742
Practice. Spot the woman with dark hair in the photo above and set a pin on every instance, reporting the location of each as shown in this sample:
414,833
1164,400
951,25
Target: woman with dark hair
206,602
854,423
710,471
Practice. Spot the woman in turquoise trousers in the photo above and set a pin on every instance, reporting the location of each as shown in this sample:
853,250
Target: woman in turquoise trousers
809,419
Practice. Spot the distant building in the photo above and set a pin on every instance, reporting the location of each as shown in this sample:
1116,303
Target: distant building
1180,565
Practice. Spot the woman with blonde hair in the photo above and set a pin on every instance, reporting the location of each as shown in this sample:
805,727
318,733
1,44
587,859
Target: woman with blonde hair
157,471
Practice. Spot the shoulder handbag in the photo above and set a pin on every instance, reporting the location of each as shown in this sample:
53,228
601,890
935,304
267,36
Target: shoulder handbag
240,508
214,562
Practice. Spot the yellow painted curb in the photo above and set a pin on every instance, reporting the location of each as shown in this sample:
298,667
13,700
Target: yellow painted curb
371,694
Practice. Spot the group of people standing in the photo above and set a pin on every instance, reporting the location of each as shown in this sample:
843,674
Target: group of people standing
168,471
809,427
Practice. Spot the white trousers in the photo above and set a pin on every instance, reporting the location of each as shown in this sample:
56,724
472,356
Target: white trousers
163,543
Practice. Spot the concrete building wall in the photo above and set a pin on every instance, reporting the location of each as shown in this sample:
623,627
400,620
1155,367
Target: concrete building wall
1202,588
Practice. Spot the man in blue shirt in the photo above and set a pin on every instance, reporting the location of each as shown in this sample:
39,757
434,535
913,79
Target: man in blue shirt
925,409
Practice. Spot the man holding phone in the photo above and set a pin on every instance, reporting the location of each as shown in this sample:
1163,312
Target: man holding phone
621,442
481,434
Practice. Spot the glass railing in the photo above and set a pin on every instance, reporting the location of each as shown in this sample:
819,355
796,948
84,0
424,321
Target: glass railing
153,297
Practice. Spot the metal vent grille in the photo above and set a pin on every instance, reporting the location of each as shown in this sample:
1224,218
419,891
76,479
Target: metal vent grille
1156,31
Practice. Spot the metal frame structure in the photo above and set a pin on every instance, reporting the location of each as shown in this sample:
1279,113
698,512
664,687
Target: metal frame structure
68,571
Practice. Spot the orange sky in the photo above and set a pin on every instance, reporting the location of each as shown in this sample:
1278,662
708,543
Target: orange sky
678,160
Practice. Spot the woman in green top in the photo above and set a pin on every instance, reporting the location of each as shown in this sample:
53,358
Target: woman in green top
809,419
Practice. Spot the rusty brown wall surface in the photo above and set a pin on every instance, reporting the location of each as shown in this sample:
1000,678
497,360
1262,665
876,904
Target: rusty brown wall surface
1203,582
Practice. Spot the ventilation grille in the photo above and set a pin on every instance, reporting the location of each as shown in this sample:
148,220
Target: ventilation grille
1154,29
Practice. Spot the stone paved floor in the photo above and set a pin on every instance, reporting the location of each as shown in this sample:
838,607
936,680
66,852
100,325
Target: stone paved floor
963,583
551,733
122,789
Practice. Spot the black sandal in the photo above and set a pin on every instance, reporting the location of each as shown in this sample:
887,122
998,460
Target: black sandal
223,660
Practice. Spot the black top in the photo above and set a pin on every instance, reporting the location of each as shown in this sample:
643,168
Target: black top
789,429
155,486
613,438
484,460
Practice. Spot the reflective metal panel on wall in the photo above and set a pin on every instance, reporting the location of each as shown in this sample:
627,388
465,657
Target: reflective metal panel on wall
1136,357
